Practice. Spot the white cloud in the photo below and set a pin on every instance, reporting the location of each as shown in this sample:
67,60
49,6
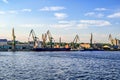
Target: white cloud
33,25
61,25
2,12
53,8
5,1
13,12
26,10
67,22
63,22
60,15
82,24
90,14
95,22
44,25
100,9
115,15
93,14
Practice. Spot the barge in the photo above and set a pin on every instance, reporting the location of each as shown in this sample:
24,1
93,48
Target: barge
51,49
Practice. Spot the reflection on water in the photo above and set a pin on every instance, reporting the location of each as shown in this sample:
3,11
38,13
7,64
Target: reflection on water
60,65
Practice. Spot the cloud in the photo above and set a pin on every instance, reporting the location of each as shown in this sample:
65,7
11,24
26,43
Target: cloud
100,9
61,25
95,22
12,12
57,25
52,8
2,12
115,15
26,10
15,11
93,14
33,25
90,14
60,15
67,22
82,24
5,1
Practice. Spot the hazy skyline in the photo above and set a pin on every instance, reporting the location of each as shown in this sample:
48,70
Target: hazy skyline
64,18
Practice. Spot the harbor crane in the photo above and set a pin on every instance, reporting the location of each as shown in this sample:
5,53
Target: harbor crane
44,38
111,39
35,39
76,39
13,36
114,42
50,38
91,40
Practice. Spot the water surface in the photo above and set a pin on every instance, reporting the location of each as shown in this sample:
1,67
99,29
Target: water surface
76,65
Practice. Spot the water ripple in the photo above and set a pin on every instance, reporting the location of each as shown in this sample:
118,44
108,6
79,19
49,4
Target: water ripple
60,65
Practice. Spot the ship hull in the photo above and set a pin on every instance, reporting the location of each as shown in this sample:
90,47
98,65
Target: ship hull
51,49
91,50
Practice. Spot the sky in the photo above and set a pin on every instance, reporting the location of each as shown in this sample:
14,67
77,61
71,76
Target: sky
64,18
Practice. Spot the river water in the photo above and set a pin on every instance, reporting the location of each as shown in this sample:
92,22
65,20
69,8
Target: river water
77,65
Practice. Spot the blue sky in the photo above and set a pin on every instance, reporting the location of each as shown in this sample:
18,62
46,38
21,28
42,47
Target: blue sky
64,18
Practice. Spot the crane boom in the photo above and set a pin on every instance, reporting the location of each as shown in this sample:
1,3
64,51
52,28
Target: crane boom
44,38
33,34
35,39
111,39
76,39
49,35
50,38
13,36
114,42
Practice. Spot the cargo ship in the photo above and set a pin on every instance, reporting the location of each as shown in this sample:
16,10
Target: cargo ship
91,49
51,49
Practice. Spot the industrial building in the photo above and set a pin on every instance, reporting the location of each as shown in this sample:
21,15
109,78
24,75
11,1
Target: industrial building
3,42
